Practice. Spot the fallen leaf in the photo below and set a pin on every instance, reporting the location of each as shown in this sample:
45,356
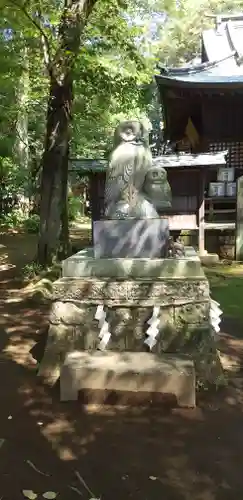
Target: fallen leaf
82,481
50,495
76,489
29,494
153,478
35,468
1,442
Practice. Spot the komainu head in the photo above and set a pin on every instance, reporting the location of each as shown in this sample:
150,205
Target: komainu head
131,131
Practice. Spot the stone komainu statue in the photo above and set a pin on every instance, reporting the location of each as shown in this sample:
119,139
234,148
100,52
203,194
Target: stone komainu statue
133,187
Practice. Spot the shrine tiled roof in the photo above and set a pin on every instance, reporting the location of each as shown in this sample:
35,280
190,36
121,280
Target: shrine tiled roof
165,161
223,53
225,38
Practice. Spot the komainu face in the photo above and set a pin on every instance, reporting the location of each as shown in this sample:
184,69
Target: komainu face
131,131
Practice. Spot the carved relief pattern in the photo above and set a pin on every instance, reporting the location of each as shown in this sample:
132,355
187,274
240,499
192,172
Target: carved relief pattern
131,291
127,325
181,329
191,314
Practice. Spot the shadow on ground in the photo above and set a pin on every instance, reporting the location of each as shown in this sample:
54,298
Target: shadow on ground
231,343
18,248
138,453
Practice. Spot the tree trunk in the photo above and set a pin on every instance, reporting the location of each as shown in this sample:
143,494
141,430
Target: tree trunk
54,170
21,147
64,236
53,208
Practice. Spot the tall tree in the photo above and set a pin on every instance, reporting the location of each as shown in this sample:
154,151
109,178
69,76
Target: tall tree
67,43
53,206
57,28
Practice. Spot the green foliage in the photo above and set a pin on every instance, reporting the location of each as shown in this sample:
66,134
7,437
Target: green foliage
32,224
111,60
74,207
32,270
11,177
43,275
12,220
16,219
227,289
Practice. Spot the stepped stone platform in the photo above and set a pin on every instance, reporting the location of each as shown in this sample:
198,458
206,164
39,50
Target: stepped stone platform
131,372
129,290
84,265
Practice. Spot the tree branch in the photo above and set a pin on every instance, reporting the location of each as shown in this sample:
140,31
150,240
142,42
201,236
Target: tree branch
14,129
44,38
74,19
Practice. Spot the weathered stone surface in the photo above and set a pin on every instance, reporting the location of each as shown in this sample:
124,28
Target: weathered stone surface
63,338
140,238
128,326
136,292
135,372
84,265
134,187
194,313
209,259
60,341
183,318
128,331
61,335
67,313
207,359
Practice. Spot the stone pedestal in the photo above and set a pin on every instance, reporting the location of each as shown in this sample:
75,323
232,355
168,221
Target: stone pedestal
131,238
129,290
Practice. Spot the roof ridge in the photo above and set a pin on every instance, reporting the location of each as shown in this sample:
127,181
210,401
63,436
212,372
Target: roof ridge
225,17
194,69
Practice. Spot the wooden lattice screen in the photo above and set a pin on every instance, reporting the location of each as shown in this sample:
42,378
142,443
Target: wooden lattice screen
235,152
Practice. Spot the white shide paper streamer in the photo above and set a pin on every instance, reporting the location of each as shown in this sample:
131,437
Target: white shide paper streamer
103,325
152,331
215,315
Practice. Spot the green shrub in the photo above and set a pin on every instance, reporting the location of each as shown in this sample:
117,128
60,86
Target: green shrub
12,220
74,207
31,225
32,270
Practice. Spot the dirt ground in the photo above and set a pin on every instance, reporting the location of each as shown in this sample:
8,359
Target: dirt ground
140,454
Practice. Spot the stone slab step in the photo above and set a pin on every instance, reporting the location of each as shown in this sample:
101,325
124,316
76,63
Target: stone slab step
84,265
129,372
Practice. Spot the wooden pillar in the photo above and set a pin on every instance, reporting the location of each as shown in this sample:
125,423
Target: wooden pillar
91,198
239,221
97,191
201,211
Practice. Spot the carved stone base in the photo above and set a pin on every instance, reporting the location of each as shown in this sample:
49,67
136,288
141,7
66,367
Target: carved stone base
183,320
